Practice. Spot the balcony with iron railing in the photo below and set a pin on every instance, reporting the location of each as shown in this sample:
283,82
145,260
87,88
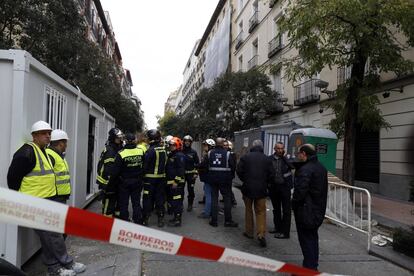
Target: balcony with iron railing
253,21
275,45
277,105
239,40
253,62
307,92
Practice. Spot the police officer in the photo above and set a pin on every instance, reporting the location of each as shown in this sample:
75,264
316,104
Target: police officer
154,177
142,142
221,169
128,173
175,170
105,167
31,173
56,152
191,163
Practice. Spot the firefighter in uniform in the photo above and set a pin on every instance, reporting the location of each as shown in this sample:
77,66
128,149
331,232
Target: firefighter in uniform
105,167
127,173
221,169
56,152
154,178
191,163
175,171
31,173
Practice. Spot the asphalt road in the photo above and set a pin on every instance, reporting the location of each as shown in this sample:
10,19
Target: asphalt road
342,251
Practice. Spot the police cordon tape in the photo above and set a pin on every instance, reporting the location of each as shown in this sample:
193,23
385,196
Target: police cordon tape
24,210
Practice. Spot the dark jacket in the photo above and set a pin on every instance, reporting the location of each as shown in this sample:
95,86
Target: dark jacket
106,164
23,162
155,161
283,175
191,160
221,166
256,172
310,194
175,168
203,168
129,169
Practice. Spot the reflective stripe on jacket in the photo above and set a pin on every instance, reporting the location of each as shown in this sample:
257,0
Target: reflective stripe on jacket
40,182
61,169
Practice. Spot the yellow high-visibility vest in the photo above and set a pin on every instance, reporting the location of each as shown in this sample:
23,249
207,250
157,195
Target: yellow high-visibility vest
40,182
61,169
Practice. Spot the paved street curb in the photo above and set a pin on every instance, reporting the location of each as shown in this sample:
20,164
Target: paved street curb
388,254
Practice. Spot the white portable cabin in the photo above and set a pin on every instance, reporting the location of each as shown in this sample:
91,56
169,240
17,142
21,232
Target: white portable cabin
31,92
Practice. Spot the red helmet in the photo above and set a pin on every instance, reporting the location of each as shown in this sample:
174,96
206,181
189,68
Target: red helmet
176,142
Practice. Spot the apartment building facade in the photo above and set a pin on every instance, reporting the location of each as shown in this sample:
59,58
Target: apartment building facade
384,159
210,57
101,32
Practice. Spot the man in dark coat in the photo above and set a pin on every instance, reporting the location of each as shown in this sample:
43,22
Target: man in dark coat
256,172
280,192
309,203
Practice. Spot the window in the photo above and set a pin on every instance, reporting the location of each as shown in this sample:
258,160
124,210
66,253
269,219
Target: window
277,82
255,48
55,108
241,63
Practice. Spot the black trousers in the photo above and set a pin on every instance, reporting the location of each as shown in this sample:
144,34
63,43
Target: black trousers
109,204
282,209
154,193
225,190
309,243
190,182
130,188
175,198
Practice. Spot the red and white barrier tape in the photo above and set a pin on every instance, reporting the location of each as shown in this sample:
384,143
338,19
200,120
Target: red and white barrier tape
32,212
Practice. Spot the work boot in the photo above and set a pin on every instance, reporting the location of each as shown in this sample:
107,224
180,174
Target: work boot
176,221
145,221
160,221
230,224
77,267
190,207
62,272
262,241
202,201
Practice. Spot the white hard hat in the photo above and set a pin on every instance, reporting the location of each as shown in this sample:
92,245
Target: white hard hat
210,142
188,137
59,134
40,125
168,138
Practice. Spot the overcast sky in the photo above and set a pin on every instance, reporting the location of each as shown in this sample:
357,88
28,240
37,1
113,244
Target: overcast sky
156,39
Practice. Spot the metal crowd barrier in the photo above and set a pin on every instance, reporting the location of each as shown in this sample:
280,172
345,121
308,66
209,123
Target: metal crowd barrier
349,206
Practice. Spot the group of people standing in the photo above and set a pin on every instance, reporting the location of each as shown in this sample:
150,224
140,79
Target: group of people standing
273,176
159,169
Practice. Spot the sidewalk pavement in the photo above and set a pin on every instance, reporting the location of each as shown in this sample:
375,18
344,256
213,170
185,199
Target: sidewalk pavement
391,214
101,259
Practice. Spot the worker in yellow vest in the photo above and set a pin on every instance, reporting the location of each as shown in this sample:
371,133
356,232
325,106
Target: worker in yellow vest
56,152
31,173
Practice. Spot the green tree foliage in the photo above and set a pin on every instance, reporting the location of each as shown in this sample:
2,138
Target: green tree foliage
231,104
54,32
370,36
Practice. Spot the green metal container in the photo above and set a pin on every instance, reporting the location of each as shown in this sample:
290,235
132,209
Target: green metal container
324,140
